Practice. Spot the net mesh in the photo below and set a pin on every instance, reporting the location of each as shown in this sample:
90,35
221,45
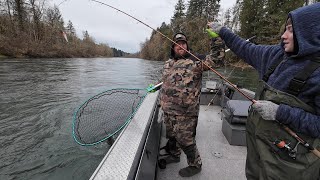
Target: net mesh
105,114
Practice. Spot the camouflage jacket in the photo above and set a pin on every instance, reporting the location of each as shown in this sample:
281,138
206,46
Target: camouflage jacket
182,78
217,51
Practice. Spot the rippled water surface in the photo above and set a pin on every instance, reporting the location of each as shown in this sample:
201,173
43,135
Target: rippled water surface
37,101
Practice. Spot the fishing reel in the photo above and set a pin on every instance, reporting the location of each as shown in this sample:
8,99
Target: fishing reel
292,152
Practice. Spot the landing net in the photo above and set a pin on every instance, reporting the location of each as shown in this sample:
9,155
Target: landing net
105,114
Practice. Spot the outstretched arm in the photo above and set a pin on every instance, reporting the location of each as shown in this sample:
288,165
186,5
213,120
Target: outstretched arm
258,56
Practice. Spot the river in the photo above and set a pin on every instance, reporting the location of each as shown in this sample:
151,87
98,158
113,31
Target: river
37,101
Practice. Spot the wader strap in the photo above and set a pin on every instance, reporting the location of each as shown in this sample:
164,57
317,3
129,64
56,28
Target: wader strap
270,71
298,82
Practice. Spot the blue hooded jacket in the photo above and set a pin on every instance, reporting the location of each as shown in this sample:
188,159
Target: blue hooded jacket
306,29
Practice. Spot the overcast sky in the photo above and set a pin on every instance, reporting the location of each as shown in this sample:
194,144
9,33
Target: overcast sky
108,26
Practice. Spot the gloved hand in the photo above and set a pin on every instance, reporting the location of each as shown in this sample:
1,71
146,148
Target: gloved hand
266,109
212,34
216,27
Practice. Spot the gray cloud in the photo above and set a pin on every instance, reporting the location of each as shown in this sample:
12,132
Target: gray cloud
108,26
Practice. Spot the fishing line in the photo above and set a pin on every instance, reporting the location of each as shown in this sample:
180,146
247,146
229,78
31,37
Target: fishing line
240,59
216,72
62,2
229,75
83,113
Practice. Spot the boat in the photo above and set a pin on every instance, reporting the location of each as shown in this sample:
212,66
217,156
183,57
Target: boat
220,139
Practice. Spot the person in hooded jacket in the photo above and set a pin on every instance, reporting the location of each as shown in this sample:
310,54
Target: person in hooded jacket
288,94
180,97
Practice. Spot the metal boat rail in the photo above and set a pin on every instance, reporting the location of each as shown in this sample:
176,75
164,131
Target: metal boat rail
125,157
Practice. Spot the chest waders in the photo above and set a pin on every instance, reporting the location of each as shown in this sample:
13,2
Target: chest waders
265,160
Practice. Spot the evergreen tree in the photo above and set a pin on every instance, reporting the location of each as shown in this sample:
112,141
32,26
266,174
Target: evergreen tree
179,10
227,19
194,9
264,18
207,9
87,38
70,29
211,9
275,15
236,9
118,52
252,13
178,16
157,48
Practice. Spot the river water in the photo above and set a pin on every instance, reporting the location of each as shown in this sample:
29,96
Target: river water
37,101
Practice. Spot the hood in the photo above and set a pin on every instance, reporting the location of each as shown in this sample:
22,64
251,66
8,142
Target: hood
306,29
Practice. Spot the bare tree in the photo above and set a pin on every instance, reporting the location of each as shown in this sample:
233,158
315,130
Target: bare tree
37,9
20,12
54,17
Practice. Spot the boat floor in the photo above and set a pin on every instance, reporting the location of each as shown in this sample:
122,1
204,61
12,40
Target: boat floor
220,160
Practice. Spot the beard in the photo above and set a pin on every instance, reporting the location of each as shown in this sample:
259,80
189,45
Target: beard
184,55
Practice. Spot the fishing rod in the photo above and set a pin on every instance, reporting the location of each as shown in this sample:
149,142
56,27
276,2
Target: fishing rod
62,2
313,150
216,72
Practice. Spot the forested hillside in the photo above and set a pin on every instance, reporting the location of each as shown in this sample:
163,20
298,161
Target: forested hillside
32,28
262,18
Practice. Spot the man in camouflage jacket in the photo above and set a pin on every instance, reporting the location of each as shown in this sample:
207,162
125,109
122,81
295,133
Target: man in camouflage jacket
179,99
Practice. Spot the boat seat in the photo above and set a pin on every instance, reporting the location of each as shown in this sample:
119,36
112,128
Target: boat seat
236,111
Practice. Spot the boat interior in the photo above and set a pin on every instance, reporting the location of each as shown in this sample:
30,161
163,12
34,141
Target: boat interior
220,139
